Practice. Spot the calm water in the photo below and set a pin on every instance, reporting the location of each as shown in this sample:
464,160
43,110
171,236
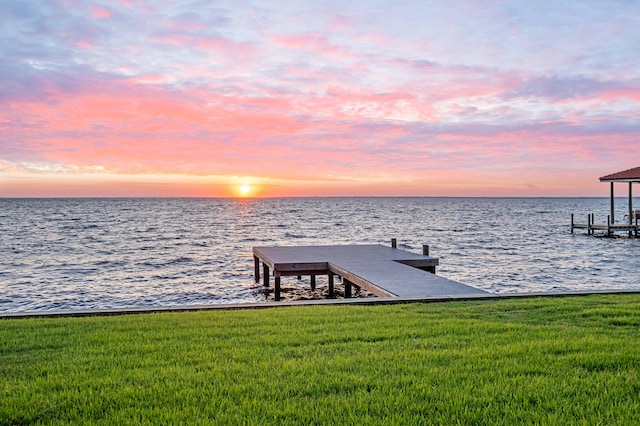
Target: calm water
63,254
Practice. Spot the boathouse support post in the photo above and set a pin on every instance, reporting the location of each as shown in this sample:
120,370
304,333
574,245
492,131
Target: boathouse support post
613,213
630,221
630,203
313,282
256,268
265,272
394,243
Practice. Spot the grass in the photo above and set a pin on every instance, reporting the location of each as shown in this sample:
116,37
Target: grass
571,360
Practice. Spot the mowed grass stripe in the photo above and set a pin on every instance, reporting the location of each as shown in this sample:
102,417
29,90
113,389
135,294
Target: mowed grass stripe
570,360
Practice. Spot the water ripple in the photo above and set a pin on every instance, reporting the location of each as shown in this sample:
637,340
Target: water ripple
62,254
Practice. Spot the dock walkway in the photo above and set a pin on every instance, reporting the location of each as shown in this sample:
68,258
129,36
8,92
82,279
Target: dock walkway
610,228
384,271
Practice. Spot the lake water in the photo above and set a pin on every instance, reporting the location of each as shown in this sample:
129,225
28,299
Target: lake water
66,254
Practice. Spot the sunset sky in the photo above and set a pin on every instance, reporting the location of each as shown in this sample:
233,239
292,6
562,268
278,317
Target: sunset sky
317,98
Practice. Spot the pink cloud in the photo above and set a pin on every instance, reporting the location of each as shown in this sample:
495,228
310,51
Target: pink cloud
128,126
217,44
174,39
100,12
566,90
315,44
213,44
84,44
339,119
340,22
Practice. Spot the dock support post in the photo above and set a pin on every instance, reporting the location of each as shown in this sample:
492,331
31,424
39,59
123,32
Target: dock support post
613,210
572,223
331,294
394,243
313,282
425,251
347,288
630,208
256,268
277,286
630,203
608,225
265,272
589,223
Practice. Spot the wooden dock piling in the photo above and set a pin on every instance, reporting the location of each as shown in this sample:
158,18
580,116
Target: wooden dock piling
276,287
265,271
331,289
256,268
347,288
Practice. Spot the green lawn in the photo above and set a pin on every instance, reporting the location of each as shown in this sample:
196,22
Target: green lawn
570,360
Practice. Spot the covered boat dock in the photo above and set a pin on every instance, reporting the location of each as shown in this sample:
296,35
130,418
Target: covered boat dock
630,221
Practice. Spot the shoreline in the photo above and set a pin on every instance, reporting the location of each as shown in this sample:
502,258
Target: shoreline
362,301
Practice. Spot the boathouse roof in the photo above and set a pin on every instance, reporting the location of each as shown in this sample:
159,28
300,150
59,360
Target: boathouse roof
631,175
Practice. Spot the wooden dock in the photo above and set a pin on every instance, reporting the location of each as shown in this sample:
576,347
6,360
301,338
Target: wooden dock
609,228
630,221
381,270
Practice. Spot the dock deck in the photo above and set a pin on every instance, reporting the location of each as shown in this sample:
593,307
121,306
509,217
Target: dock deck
384,271
609,228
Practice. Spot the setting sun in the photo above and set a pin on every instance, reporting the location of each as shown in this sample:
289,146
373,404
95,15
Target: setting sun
245,189
244,186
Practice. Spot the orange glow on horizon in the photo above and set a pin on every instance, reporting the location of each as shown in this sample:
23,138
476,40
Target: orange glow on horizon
50,183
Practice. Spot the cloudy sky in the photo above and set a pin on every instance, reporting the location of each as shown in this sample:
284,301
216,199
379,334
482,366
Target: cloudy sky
360,97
